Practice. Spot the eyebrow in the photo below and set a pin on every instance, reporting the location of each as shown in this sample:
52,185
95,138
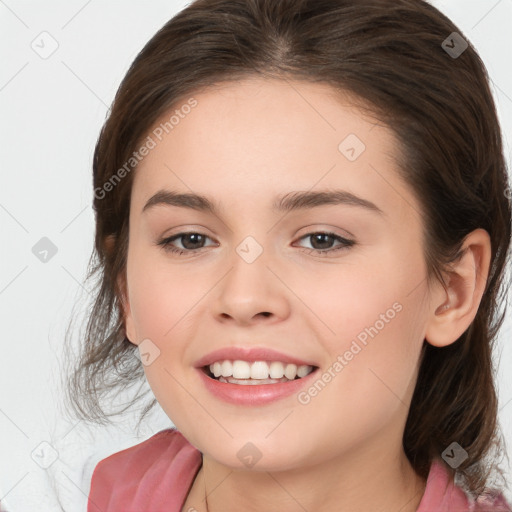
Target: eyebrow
291,201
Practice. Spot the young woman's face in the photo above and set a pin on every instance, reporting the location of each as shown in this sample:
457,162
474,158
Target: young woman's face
352,302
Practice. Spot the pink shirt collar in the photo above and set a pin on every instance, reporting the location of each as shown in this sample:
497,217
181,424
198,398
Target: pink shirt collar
156,476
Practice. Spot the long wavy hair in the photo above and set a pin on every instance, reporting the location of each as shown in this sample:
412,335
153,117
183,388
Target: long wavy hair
393,57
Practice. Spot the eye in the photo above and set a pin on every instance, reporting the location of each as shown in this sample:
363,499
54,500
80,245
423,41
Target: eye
193,241
323,241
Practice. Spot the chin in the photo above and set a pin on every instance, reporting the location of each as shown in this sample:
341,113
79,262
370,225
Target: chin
254,454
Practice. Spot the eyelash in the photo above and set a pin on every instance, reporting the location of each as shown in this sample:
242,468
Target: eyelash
345,243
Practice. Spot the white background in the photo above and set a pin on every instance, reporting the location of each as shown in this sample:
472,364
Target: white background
51,113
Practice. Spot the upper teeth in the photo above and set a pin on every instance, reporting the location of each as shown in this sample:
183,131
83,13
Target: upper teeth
259,369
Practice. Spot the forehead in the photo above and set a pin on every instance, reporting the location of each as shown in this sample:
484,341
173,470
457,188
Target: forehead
257,110
246,138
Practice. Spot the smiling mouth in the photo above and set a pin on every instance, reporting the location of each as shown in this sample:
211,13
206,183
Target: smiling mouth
256,373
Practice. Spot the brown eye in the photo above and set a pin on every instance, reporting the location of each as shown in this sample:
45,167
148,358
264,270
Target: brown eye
190,241
321,242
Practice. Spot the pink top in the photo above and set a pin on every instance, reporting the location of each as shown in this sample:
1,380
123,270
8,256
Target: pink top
157,474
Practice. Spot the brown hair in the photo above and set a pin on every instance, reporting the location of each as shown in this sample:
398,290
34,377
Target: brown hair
388,54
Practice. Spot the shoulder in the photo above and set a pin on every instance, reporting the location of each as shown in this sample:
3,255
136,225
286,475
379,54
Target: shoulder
443,495
150,474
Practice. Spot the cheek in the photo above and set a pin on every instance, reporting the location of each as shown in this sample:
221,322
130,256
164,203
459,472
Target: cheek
378,326
163,303
368,384
364,303
160,295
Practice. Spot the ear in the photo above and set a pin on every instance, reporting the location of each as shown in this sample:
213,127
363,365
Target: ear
122,286
125,305
126,309
454,305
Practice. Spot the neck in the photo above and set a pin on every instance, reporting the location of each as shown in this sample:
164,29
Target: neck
350,483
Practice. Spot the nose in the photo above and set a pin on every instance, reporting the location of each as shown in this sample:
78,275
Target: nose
251,293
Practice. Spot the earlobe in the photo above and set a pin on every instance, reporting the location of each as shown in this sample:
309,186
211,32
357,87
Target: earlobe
455,305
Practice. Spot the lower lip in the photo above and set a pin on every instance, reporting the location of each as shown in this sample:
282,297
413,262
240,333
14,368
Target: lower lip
257,394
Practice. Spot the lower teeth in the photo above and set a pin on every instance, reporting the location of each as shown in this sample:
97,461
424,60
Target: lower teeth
251,382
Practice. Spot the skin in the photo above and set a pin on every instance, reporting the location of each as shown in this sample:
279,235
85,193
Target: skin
242,145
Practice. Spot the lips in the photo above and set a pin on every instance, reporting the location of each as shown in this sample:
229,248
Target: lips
247,391
255,395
